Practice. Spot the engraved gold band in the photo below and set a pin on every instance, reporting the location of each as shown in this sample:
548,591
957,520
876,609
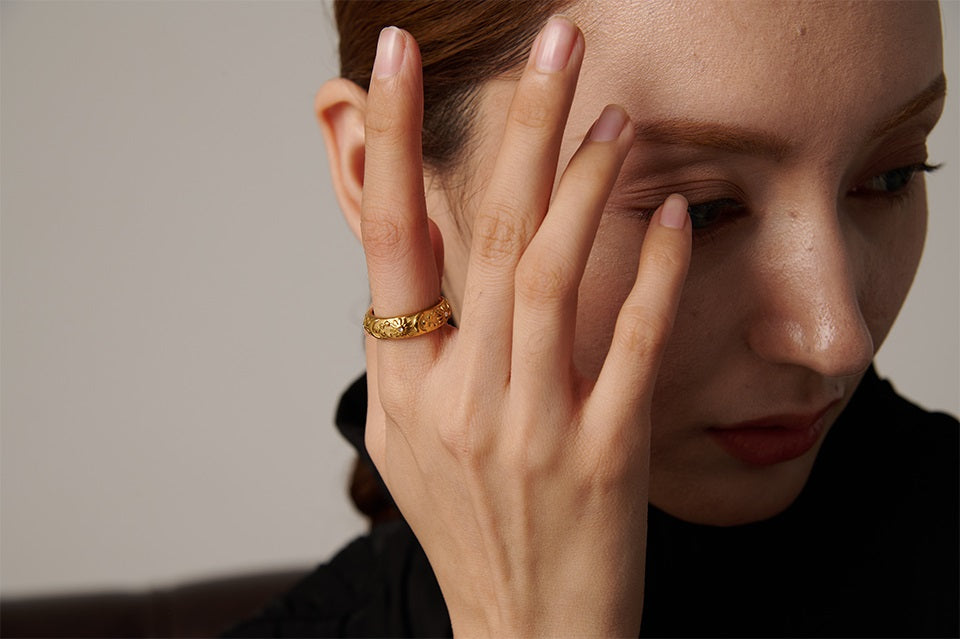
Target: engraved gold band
404,326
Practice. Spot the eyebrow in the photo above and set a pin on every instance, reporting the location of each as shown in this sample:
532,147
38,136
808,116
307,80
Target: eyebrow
725,137
747,141
934,91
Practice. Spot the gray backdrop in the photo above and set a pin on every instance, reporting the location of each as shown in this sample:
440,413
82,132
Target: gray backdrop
181,298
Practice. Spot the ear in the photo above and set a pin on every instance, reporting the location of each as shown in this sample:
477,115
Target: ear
341,107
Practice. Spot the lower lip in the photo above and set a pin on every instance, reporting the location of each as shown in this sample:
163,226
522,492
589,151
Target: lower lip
768,445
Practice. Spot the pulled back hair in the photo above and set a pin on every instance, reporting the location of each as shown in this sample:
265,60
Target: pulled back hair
463,44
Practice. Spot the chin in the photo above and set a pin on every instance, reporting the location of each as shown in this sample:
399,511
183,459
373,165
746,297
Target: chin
730,493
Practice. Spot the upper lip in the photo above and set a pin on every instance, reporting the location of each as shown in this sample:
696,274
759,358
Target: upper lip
790,421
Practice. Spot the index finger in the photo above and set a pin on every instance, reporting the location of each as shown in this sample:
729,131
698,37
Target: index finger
393,219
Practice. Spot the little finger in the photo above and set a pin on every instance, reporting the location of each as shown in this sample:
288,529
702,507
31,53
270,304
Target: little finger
645,321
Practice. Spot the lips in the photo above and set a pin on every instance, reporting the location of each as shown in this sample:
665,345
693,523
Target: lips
772,440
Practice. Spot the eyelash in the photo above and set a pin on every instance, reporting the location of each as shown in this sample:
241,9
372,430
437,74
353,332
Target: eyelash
894,184
905,173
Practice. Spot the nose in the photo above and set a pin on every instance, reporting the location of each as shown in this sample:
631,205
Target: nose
807,312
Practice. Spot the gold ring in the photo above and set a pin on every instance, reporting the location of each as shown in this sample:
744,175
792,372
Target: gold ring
404,326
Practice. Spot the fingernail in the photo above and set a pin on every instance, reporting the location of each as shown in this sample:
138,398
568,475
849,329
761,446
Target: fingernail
674,212
609,125
389,53
556,45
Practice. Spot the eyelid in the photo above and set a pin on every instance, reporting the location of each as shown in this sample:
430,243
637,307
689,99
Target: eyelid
916,168
894,154
696,192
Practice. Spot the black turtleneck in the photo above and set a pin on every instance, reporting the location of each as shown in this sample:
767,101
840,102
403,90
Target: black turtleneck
869,548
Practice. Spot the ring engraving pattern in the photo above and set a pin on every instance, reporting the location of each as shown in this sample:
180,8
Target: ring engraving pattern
405,326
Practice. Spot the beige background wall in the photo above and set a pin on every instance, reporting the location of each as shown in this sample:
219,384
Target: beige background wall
180,298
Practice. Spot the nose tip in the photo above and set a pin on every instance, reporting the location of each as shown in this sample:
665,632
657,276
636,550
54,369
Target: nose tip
829,337
809,313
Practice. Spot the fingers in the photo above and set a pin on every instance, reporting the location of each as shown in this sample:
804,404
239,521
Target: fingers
374,432
436,239
519,191
396,237
548,275
646,318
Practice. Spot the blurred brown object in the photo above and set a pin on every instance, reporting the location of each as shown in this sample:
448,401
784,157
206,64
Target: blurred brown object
203,608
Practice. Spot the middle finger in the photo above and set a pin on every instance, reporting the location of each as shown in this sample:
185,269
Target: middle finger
520,186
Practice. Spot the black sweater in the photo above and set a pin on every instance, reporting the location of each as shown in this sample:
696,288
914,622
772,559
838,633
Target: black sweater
869,548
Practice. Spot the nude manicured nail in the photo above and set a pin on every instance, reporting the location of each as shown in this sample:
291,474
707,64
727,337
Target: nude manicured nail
674,212
609,125
389,53
556,45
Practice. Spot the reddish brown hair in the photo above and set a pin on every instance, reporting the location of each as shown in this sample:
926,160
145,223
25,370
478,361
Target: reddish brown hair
463,43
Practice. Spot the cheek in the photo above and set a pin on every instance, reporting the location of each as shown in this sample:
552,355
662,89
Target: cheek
888,256
705,316
703,330
704,319
607,280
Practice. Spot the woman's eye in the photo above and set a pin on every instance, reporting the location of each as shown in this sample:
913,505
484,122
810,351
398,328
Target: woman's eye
709,213
892,181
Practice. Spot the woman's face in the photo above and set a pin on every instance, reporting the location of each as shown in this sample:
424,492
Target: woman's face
793,129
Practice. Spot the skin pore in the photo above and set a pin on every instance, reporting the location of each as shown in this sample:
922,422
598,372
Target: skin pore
595,367
808,124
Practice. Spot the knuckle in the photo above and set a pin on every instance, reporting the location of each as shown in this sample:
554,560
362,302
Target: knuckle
519,461
663,261
536,446
395,398
640,330
542,281
382,124
385,236
529,460
535,343
461,436
579,178
592,173
456,441
394,406
499,235
461,442
531,111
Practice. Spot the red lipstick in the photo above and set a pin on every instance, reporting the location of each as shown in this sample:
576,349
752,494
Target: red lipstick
771,440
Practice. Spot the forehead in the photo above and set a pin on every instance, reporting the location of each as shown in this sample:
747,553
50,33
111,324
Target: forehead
792,67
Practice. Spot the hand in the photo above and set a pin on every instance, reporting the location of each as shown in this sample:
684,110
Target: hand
525,483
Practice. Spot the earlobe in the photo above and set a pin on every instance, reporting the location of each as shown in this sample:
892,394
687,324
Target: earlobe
340,107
